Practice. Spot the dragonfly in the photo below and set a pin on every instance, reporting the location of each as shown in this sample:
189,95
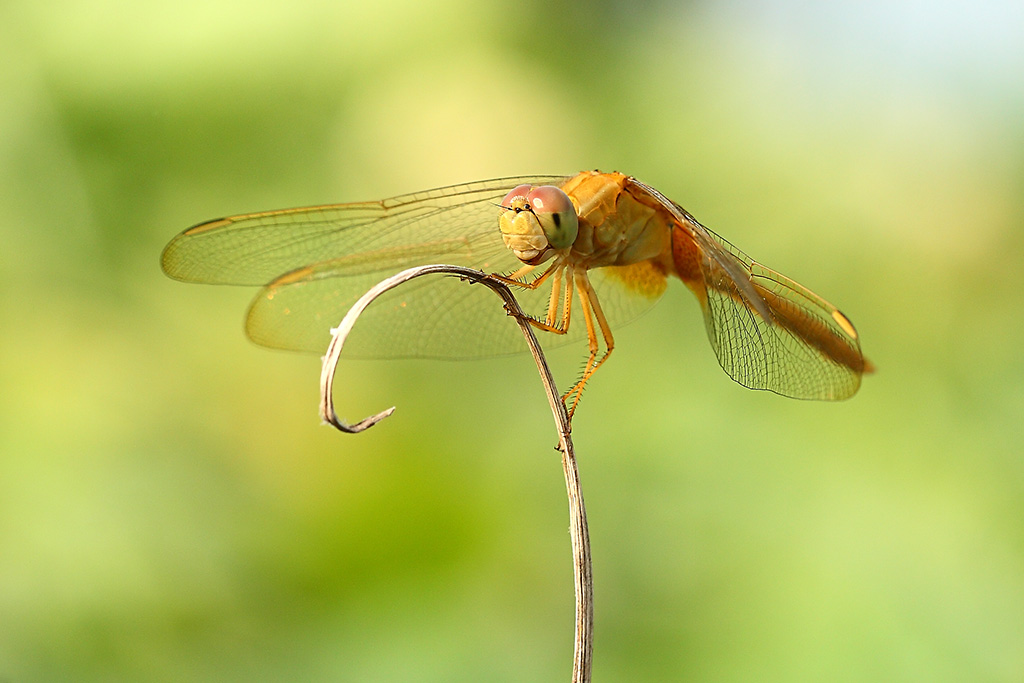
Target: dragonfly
584,253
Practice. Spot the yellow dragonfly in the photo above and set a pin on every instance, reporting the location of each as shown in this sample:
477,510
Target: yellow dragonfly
603,241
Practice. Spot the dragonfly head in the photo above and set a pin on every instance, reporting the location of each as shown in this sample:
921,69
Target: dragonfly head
538,221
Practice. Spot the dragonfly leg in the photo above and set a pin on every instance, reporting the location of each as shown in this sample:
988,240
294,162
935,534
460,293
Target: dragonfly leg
549,323
521,273
591,311
514,281
553,301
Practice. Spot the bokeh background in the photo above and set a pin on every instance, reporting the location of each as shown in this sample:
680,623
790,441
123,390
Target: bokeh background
171,509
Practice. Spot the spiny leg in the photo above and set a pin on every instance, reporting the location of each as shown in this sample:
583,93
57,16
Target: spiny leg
512,280
566,300
591,309
555,271
553,301
567,282
521,273
606,330
576,392
549,324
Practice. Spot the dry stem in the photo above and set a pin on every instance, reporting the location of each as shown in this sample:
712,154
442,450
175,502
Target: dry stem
582,574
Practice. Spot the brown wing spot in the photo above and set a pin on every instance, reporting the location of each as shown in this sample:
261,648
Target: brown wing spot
844,323
208,225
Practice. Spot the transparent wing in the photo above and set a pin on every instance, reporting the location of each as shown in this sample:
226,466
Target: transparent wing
806,348
431,317
458,221
315,262
767,331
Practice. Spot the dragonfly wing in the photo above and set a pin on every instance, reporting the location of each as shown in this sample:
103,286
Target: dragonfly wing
767,331
719,262
316,262
430,317
806,348
434,316
626,292
257,248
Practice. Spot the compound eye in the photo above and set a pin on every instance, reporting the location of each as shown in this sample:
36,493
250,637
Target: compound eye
520,193
556,214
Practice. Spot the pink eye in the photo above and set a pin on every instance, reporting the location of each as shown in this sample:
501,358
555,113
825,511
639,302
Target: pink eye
556,215
520,192
545,209
550,199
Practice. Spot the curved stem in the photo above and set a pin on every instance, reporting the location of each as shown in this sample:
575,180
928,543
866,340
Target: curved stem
582,571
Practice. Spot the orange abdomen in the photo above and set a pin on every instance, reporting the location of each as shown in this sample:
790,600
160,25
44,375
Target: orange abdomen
686,258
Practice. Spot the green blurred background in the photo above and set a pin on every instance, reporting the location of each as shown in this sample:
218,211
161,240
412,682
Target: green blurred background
171,509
